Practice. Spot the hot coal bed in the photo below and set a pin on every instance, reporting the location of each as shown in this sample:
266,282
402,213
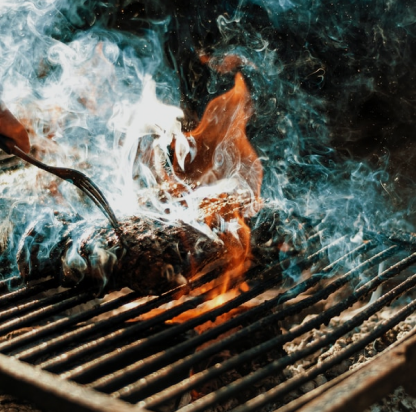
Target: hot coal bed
259,157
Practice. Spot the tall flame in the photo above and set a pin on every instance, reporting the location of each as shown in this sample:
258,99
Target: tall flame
222,148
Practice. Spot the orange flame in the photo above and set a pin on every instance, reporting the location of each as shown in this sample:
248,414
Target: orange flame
238,249
222,133
222,150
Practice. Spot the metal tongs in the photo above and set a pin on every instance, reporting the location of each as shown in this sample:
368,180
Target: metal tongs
73,176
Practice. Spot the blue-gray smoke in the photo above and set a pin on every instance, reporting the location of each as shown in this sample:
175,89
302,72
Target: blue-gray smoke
330,81
333,86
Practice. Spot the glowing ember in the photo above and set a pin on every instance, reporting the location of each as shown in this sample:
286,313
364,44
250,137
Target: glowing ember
212,304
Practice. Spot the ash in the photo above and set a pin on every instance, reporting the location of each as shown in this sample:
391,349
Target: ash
399,400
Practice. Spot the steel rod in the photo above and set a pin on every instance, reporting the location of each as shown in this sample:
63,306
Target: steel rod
132,391
78,352
160,359
321,252
65,322
264,277
166,356
158,376
145,384
279,365
27,291
325,365
51,393
90,329
363,386
31,305
66,358
70,298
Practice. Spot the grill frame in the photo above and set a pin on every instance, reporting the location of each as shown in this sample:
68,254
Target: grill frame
58,392
50,393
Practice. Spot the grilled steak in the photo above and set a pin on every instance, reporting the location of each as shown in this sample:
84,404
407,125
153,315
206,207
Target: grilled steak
148,256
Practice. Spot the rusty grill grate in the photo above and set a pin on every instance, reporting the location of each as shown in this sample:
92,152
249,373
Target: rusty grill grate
106,356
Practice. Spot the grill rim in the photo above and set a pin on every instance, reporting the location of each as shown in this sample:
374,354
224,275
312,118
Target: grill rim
51,393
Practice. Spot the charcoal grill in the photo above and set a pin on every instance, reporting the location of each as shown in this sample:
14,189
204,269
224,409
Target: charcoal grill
112,355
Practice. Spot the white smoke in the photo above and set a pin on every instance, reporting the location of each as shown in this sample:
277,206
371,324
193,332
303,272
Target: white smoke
88,100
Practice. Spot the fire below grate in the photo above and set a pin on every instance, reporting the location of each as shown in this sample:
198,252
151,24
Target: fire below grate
64,350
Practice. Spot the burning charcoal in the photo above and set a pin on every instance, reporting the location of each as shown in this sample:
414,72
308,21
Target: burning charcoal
154,257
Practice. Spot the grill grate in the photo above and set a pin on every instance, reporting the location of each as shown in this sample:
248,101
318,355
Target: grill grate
112,353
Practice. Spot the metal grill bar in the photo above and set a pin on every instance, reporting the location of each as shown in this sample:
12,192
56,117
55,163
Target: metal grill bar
66,358
380,329
92,328
323,251
213,333
65,300
157,361
399,237
325,318
278,365
79,373
26,307
57,326
54,394
366,384
212,315
139,390
28,291
122,356
53,364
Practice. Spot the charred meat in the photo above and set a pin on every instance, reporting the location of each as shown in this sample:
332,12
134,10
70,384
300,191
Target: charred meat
153,257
